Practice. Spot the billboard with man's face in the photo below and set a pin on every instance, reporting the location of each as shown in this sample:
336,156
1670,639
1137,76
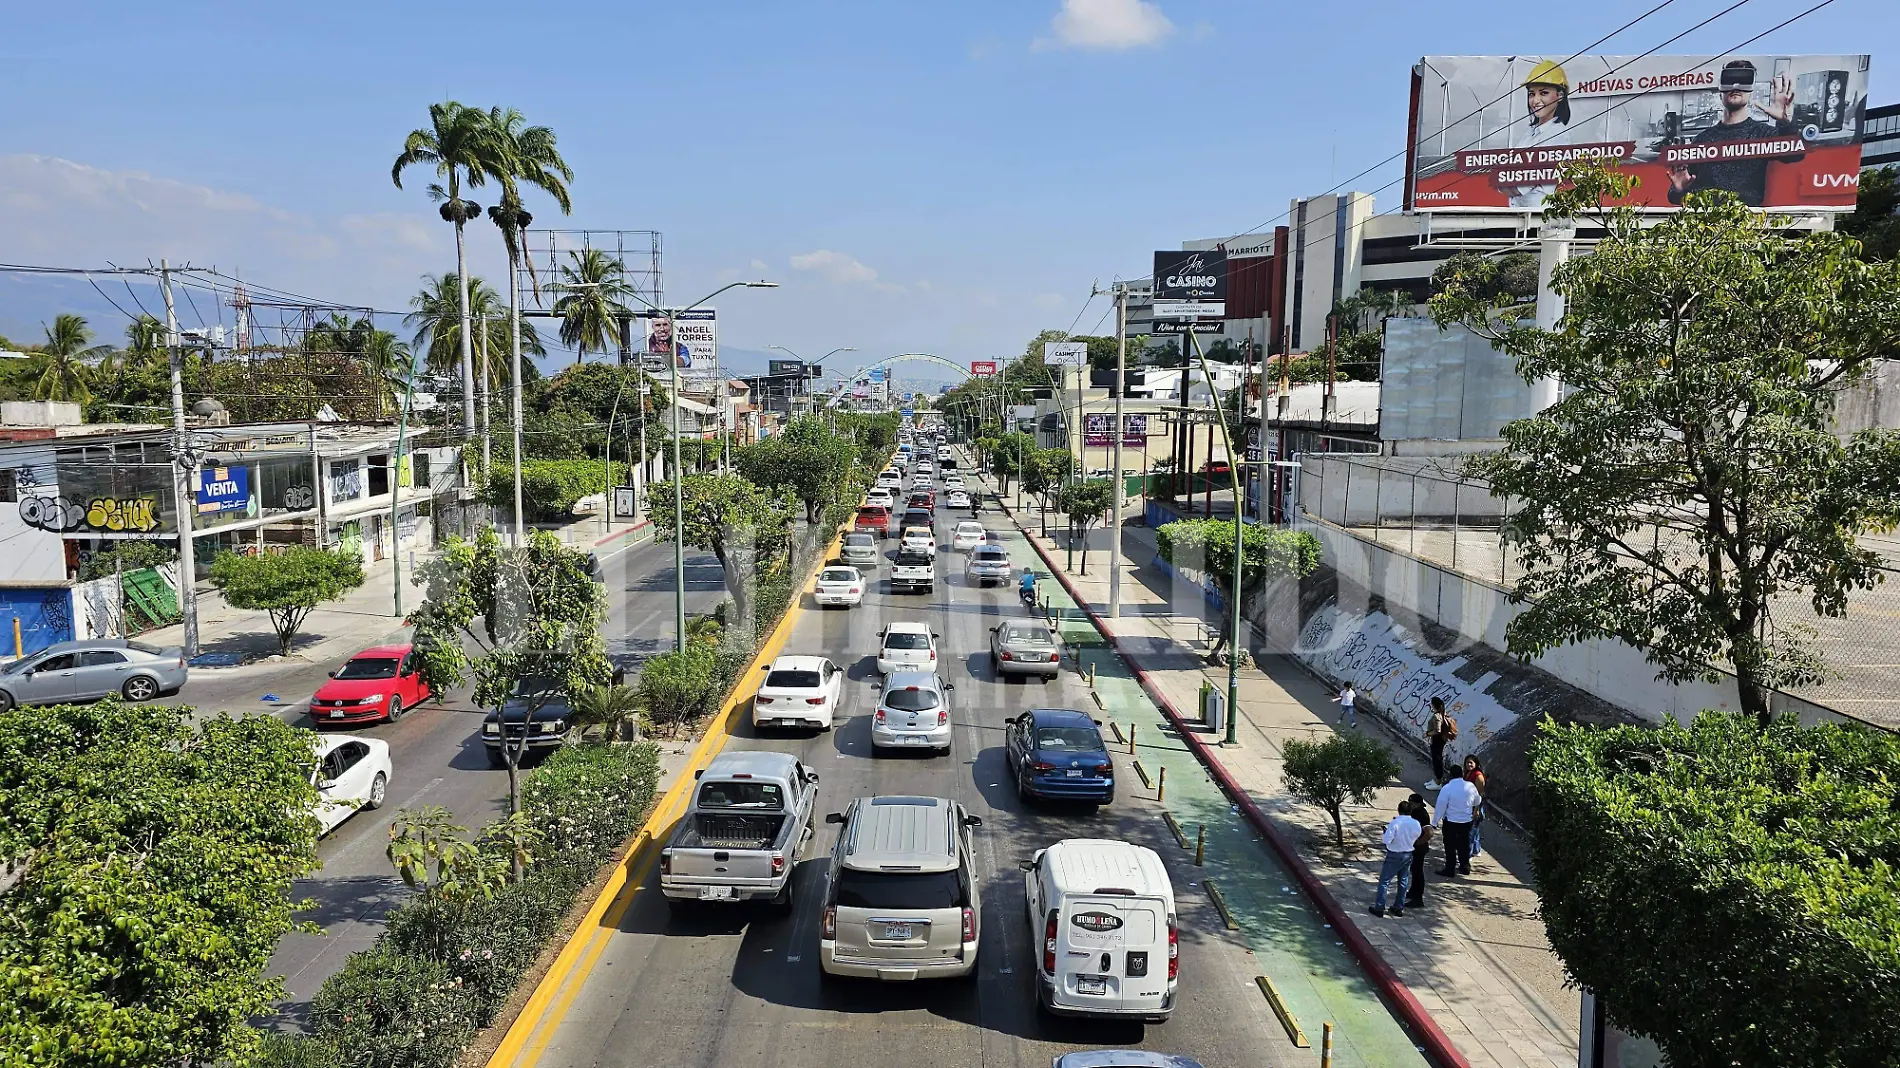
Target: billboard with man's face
692,336
1494,132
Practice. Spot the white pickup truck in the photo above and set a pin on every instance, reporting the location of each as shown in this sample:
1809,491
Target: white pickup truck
913,570
751,815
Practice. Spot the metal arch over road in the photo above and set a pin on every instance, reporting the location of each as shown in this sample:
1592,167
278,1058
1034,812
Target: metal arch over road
905,356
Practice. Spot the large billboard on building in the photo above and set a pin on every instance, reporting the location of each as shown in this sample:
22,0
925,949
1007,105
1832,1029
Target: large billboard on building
1190,284
693,336
1494,132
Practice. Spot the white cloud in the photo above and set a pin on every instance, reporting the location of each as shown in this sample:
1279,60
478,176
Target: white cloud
761,266
835,266
1107,25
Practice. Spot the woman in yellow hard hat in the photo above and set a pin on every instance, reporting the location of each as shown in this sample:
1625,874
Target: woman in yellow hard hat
1547,98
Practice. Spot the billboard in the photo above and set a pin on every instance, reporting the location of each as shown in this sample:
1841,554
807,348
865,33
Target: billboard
1491,132
696,344
1065,353
1188,284
779,368
1098,431
982,368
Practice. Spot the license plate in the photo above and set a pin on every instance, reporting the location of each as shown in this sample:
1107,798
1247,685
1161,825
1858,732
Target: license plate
1089,984
1075,773
715,893
916,739
897,932
336,714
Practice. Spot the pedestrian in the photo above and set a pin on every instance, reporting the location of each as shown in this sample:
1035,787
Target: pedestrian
1348,706
1439,732
1457,803
1400,837
1474,774
1420,850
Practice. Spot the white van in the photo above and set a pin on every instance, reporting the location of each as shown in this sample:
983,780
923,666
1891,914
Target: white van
1103,914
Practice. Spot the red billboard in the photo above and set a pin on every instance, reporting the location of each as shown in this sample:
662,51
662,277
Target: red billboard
982,368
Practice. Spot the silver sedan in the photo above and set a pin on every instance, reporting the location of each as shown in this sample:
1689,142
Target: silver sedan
1025,647
84,670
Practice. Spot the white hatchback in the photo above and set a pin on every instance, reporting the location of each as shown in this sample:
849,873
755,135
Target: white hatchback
912,713
351,772
880,497
969,535
839,586
798,691
907,646
918,539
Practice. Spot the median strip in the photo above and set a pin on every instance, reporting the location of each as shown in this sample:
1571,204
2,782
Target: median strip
1220,905
1279,1009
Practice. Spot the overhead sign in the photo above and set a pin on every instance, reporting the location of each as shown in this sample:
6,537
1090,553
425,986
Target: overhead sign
795,368
224,489
982,368
1179,326
907,413
1494,132
877,375
692,336
1190,276
1189,309
1065,353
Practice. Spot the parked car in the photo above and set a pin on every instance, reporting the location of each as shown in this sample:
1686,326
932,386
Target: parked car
1058,754
90,668
379,683
537,717
839,586
798,691
349,773
969,535
988,565
913,712
901,902
906,645
752,813
859,548
1025,647
1103,913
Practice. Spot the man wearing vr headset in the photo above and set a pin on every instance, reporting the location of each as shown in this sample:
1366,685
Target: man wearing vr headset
1746,178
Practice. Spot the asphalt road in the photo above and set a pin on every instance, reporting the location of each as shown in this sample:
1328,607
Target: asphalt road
735,986
438,759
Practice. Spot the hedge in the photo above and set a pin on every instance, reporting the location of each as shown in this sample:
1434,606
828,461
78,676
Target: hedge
549,488
444,967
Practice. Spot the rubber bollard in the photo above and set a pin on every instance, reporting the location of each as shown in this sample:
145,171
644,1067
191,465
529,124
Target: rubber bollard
1326,1045
1200,845
1161,784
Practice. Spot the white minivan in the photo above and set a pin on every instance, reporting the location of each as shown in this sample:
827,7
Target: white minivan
1103,914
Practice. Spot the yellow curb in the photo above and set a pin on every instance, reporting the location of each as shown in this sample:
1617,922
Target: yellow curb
1285,1014
1220,905
1174,828
541,1017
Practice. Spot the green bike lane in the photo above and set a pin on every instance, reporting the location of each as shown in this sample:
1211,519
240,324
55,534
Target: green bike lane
1310,967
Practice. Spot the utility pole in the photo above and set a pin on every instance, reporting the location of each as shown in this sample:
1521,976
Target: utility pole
395,475
182,460
1121,387
488,456
679,496
1238,593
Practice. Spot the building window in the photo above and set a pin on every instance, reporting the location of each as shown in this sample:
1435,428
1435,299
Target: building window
419,464
1299,272
346,480
285,486
9,489
379,476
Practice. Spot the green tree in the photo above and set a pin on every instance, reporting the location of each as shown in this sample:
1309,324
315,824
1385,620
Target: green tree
549,488
287,586
1207,546
57,369
460,145
1764,861
806,460
437,319
1044,473
521,155
1346,767
1691,480
504,615
1875,221
736,520
149,867
432,853
1086,503
593,291
1510,278
1010,457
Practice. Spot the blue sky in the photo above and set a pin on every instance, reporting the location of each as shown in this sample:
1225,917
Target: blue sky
935,177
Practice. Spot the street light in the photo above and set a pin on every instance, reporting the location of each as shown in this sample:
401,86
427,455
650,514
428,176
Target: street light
804,378
679,499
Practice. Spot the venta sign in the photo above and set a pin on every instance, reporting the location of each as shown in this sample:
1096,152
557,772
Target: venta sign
1190,277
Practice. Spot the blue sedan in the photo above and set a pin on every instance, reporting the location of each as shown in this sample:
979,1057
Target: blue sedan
1058,754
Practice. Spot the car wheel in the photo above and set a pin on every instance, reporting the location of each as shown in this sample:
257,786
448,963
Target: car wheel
6,701
378,789
783,904
395,708
496,760
139,688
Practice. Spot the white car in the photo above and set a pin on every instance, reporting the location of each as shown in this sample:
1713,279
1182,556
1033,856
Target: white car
798,691
880,497
913,712
907,646
918,539
351,772
839,585
956,498
890,480
969,535
922,483
954,481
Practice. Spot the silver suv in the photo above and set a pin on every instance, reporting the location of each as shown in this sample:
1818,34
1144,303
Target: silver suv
902,902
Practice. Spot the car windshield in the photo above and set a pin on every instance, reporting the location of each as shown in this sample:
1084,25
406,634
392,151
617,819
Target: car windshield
838,574
17,666
761,795
370,667
906,640
974,530
899,890
1069,739
1028,636
912,699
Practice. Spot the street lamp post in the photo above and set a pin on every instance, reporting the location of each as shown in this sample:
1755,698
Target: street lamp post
679,497
805,379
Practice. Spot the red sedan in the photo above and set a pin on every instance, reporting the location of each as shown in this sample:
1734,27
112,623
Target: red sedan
379,683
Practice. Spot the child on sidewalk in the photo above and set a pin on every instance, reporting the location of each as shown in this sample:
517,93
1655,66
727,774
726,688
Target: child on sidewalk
1348,706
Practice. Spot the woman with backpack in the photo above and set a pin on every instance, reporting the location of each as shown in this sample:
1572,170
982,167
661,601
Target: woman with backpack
1440,730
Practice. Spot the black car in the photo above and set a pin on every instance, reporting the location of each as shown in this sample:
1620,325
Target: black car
918,517
538,709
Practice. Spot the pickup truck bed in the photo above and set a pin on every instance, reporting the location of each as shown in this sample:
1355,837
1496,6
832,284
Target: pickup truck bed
729,831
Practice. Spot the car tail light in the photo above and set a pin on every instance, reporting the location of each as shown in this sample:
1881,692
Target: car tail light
828,927
666,863
814,700
763,700
879,718
1174,948
1049,946
969,924
857,589
933,654
1007,655
943,717
778,864
1043,766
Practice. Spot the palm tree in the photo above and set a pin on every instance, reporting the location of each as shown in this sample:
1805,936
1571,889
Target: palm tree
592,287
56,370
457,143
437,321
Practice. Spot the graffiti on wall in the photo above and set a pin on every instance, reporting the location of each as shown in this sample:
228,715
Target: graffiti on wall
62,514
1379,658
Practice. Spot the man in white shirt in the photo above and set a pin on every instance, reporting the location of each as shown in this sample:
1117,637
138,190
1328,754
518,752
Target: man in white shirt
1349,706
1399,837
1457,804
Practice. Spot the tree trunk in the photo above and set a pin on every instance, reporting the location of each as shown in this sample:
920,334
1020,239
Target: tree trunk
1339,826
1085,548
461,288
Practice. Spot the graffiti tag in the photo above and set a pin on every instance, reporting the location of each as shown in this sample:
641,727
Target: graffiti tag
116,514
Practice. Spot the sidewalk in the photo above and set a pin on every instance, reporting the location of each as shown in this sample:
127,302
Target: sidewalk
1475,958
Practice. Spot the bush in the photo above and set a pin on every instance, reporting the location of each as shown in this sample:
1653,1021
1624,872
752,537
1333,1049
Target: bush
394,1010
549,488
590,798
127,555
679,687
1341,768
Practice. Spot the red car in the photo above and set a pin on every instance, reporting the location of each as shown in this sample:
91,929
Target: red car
379,683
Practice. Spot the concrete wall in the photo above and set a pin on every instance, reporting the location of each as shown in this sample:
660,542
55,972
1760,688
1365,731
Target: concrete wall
30,527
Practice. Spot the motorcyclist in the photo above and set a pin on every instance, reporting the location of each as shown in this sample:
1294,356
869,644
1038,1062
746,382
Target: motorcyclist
1027,586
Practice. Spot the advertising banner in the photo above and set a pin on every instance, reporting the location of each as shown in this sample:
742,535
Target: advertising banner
1098,431
778,368
224,489
1177,326
1190,284
1492,132
982,368
877,375
1065,353
695,344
